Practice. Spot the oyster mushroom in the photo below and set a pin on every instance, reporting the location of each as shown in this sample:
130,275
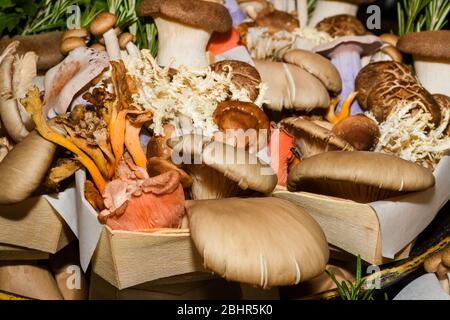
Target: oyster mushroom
312,139
287,83
219,170
431,53
345,53
243,75
273,242
342,25
329,8
355,176
184,29
382,85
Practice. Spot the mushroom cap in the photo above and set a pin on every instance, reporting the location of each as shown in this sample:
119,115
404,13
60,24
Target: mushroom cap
342,25
360,131
382,85
102,23
71,43
196,13
312,138
356,176
431,264
157,166
442,100
427,44
77,32
367,44
318,66
240,166
393,52
287,85
232,115
390,38
98,47
266,242
277,20
243,75
124,38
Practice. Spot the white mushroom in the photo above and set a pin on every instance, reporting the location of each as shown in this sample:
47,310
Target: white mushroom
103,25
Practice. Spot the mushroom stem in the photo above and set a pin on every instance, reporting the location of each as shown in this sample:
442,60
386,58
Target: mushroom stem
433,74
133,50
347,60
236,14
302,9
327,8
112,44
182,43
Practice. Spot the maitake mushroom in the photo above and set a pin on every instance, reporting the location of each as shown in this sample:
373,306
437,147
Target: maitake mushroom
356,176
184,29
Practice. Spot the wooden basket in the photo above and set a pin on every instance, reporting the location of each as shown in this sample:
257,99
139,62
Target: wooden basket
348,225
33,224
126,259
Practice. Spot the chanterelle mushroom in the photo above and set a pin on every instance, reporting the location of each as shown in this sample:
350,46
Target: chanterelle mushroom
184,29
329,8
355,176
431,52
266,242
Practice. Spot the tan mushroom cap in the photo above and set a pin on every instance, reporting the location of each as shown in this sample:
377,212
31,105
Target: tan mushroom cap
125,38
243,75
276,21
342,25
318,66
71,43
240,166
232,115
356,176
103,22
266,242
98,47
393,52
390,38
196,13
78,32
312,138
432,263
360,131
427,44
288,84
157,166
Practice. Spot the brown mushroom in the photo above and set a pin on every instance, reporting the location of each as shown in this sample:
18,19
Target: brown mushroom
103,25
243,75
157,146
328,8
444,103
157,166
276,20
359,130
75,33
312,139
98,47
446,257
356,176
71,43
432,263
342,25
389,38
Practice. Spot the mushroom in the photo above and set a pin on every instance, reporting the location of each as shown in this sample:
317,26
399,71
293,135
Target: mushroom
345,54
243,75
243,124
312,139
126,42
382,85
157,166
252,7
356,176
431,53
184,29
329,8
276,21
266,242
342,25
98,47
318,66
444,103
157,146
439,263
287,84
219,170
235,11
103,25
360,131
71,43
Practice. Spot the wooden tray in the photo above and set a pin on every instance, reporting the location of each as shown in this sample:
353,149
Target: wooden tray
348,225
33,224
125,259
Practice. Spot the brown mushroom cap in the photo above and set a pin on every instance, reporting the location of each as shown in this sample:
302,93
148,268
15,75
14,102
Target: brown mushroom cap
427,44
312,138
71,43
393,52
276,21
359,130
446,257
390,38
366,44
78,33
102,23
442,272
196,13
432,263
157,166
98,47
442,100
356,176
260,241
342,25
124,38
243,75
382,85
318,66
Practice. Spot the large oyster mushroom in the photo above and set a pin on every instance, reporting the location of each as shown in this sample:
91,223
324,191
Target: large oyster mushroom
431,52
329,8
184,29
382,85
265,242
355,176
